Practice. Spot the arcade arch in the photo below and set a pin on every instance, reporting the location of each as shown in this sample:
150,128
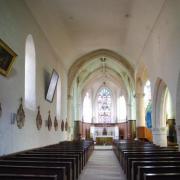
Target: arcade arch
163,123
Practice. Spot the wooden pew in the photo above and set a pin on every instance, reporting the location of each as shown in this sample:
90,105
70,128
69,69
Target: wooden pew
27,177
39,170
156,169
49,159
61,150
56,152
147,158
60,155
136,164
69,155
147,154
67,165
131,154
164,176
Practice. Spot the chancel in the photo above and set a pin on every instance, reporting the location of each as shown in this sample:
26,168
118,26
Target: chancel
89,89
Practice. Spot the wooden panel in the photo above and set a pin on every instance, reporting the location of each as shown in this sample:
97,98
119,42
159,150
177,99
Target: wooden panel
144,133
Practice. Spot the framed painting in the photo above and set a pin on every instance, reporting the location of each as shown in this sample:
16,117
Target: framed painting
52,86
7,57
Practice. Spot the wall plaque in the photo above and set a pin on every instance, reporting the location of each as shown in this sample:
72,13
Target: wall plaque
55,124
39,119
20,118
49,122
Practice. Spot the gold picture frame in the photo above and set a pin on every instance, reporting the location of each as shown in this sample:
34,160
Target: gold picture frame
7,58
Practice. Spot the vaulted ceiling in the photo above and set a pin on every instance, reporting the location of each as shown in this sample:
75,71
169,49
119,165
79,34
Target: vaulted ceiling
76,27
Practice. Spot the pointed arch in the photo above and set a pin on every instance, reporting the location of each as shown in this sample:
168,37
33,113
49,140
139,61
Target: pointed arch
93,55
159,98
163,115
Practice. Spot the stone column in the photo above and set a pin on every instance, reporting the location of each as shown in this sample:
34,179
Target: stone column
140,115
160,136
69,118
140,111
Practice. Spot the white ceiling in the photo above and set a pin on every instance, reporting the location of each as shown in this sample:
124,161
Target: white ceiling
77,27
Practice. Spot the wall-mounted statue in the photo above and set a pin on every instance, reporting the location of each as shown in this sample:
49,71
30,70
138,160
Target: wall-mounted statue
39,119
55,124
49,122
20,118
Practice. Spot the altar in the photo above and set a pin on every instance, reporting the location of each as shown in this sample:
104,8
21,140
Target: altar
104,135
104,140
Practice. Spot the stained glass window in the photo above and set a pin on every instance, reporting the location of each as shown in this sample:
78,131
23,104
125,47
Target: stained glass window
104,101
148,104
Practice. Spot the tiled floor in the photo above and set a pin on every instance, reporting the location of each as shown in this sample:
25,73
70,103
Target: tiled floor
102,165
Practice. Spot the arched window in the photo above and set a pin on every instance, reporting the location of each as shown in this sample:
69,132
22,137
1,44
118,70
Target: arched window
148,103
121,108
87,108
30,74
104,105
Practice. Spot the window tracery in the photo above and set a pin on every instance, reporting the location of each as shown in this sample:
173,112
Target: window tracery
104,105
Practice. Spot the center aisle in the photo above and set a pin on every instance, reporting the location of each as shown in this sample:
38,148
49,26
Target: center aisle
103,165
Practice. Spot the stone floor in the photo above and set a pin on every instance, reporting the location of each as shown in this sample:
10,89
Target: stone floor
102,165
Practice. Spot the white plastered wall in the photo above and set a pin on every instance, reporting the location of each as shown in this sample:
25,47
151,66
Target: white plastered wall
16,23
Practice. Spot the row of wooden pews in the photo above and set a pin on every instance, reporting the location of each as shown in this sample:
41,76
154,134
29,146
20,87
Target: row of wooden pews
63,161
146,161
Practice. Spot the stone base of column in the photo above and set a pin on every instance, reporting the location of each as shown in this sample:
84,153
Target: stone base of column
160,136
77,130
131,129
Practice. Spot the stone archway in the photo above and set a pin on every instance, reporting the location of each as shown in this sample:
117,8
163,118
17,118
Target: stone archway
163,114
92,55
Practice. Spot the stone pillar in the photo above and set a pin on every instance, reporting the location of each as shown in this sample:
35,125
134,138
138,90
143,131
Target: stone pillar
140,111
69,118
160,136
128,111
140,115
